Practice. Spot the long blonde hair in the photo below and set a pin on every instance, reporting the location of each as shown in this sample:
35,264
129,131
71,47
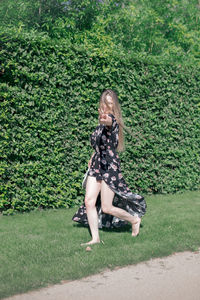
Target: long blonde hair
116,111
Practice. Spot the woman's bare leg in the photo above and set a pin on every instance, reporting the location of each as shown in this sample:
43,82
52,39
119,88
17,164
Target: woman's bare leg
106,200
92,190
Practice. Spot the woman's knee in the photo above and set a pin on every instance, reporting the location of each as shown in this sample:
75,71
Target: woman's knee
90,202
106,209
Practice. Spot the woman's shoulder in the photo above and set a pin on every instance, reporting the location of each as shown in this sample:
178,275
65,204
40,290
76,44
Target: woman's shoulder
112,116
114,120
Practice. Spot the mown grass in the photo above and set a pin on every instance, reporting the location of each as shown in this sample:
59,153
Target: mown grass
43,247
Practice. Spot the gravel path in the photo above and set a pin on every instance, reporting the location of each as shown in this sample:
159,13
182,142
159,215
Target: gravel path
176,277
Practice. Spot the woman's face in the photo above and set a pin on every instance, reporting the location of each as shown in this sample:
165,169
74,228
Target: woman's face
108,106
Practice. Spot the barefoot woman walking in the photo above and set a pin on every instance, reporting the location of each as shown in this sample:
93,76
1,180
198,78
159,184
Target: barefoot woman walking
105,181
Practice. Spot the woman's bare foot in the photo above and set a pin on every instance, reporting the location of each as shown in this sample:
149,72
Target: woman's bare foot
136,226
92,242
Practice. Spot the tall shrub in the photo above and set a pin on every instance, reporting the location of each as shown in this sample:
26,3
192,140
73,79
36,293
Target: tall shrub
49,93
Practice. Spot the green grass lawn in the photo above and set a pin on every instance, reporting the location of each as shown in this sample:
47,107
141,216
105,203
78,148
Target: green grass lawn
43,247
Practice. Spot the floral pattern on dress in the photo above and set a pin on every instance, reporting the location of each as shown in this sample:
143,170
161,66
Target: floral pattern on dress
105,166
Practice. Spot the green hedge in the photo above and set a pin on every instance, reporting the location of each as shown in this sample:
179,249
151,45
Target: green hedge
49,93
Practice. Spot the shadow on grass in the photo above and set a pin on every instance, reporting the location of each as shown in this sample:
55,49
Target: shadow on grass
125,228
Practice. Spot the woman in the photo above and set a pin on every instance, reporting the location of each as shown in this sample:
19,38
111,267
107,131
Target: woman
105,185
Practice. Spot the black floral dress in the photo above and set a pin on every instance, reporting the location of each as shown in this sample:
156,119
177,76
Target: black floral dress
105,166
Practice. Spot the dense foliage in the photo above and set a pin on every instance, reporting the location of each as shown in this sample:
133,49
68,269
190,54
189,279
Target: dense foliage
54,65
49,98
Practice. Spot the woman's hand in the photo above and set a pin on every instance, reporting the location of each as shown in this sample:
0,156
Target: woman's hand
104,119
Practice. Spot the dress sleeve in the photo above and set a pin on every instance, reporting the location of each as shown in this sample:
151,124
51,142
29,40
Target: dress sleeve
95,137
115,125
114,131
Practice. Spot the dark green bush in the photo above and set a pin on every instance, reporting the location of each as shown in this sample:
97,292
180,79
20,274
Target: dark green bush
49,92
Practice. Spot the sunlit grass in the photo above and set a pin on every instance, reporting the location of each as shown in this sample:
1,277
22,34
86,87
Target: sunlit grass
43,247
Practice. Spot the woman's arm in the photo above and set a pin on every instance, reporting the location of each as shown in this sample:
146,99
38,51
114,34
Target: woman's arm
90,161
